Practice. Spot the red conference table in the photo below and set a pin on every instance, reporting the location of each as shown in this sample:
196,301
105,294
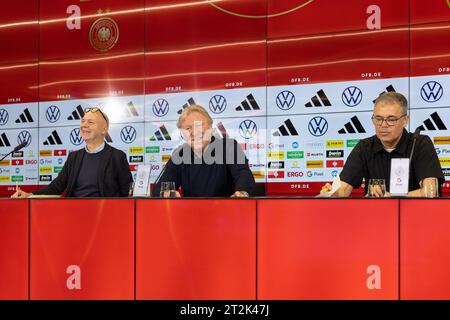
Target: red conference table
279,248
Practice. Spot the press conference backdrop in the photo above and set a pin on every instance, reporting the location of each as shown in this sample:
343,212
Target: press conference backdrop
292,81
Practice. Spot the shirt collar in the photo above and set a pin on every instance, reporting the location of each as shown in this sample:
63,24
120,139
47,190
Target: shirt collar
96,150
400,148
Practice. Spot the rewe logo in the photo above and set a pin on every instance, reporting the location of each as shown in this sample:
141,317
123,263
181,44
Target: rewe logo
352,96
217,104
285,100
318,126
431,91
4,116
160,107
247,129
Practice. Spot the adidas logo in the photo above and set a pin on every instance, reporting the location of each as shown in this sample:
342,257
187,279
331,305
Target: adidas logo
319,100
287,129
353,126
389,88
437,123
161,134
4,142
53,139
223,132
248,104
77,114
190,103
130,110
25,117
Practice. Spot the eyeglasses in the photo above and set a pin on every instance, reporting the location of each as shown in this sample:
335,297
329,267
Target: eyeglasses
390,121
93,110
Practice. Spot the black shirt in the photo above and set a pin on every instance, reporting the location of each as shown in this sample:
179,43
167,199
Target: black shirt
87,182
369,160
199,177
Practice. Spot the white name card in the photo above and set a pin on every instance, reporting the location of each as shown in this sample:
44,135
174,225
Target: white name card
142,183
399,177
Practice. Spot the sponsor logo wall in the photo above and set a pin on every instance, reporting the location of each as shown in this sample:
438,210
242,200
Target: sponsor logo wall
296,117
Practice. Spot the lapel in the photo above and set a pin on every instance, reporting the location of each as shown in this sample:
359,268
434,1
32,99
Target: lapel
104,160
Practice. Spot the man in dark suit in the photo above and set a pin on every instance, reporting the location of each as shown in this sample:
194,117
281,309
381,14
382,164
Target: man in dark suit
98,170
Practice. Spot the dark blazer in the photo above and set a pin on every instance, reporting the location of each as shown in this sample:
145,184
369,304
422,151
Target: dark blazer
114,176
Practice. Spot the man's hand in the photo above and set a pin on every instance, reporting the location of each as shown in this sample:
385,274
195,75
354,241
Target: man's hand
20,194
240,194
326,188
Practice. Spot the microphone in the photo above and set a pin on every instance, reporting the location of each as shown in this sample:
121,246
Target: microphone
17,148
415,136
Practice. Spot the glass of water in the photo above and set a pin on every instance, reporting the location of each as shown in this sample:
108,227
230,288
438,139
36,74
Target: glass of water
377,188
168,190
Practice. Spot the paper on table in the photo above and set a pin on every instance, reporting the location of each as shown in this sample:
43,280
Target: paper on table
334,186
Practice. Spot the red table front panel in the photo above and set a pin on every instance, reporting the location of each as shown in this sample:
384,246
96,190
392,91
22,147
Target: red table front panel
196,249
14,249
82,249
424,248
327,249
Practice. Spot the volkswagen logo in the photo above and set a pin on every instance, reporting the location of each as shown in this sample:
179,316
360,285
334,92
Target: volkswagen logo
431,91
247,129
285,100
217,104
52,114
128,134
24,136
4,116
352,96
160,107
75,137
318,126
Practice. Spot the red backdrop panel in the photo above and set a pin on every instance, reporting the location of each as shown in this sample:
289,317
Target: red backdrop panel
14,249
57,40
92,77
196,249
324,16
95,235
19,31
429,53
424,243
309,249
339,57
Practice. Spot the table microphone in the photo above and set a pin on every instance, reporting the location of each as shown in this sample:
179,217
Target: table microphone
415,136
17,148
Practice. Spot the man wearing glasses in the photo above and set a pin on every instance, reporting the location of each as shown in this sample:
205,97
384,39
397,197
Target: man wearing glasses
98,170
371,157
